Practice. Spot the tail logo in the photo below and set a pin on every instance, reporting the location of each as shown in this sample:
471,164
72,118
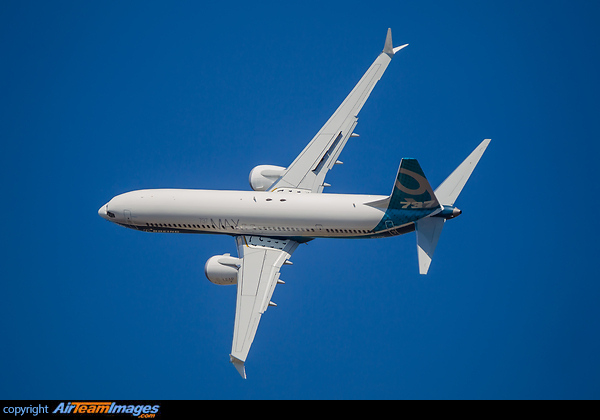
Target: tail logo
423,183
411,189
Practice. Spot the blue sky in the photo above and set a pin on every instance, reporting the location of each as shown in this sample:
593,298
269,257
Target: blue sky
100,98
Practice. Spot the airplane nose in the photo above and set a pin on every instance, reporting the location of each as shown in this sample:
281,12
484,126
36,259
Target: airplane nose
102,212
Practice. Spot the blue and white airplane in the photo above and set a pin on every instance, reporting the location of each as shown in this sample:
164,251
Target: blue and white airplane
287,208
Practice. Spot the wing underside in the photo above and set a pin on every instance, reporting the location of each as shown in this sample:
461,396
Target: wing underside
262,257
261,260
308,170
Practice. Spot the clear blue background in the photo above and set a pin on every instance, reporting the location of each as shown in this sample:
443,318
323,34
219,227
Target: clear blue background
104,97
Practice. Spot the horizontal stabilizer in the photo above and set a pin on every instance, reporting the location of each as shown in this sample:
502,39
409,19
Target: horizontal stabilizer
428,233
449,190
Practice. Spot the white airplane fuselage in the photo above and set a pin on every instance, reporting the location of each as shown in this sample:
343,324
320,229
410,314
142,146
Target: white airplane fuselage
300,215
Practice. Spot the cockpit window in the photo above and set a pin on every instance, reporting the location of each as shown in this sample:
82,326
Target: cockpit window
110,214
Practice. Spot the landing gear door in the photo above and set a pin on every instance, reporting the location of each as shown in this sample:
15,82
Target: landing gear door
127,215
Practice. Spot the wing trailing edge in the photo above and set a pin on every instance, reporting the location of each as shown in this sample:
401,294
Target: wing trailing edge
261,259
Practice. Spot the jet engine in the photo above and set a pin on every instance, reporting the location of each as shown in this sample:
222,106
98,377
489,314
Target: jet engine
222,269
263,176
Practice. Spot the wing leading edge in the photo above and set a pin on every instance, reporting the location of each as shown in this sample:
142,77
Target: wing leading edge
261,260
308,170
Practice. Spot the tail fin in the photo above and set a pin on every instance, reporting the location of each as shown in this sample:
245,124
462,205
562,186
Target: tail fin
429,228
411,189
450,189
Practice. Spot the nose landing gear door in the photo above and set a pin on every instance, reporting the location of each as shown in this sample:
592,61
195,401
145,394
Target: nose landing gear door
127,215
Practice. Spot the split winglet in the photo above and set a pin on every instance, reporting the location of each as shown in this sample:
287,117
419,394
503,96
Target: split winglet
239,365
399,48
388,48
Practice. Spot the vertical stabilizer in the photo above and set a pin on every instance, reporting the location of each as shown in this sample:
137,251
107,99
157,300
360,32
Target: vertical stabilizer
411,189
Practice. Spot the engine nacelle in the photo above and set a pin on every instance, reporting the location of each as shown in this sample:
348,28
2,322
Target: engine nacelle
222,269
263,176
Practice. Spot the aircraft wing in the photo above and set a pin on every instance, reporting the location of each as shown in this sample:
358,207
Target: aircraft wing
261,259
308,170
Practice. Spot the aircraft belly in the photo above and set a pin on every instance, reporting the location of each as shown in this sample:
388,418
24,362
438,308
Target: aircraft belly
236,212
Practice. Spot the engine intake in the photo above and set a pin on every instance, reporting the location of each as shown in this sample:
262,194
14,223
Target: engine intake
222,269
263,176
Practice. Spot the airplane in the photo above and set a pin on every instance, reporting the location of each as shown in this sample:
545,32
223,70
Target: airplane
287,207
